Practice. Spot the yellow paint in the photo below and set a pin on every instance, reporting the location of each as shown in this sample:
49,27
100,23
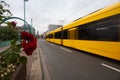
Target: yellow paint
57,41
73,33
103,48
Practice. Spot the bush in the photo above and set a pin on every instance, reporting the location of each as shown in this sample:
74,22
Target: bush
7,34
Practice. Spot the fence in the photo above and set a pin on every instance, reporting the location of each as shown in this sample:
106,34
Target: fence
4,43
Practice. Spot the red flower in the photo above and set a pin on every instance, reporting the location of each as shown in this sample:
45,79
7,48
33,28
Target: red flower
13,24
30,47
29,43
24,43
27,36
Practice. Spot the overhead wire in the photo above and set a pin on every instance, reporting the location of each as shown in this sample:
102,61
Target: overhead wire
75,12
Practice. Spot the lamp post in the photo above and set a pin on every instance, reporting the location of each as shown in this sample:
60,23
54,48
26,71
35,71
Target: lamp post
31,28
24,14
62,21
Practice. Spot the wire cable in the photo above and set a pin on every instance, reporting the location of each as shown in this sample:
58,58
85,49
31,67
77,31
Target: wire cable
79,10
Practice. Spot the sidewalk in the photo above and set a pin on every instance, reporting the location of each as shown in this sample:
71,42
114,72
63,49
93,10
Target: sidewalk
3,48
36,70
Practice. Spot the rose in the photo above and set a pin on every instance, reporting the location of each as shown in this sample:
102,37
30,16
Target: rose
27,36
13,24
30,47
29,42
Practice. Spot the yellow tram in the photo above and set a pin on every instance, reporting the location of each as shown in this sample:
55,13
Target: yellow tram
97,33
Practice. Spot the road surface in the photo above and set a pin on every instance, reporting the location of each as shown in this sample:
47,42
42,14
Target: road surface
62,63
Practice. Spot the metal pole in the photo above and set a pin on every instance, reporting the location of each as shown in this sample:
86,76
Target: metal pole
31,22
62,21
24,15
31,26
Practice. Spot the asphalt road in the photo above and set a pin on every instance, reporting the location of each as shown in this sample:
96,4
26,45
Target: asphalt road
62,63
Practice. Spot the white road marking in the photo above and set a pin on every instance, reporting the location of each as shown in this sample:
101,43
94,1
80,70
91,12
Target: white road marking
110,67
65,49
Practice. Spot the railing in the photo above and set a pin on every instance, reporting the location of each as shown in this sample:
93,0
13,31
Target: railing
4,43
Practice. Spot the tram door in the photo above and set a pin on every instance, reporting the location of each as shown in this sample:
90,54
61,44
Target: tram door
73,33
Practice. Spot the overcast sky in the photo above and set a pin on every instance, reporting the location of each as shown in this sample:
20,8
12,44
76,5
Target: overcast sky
45,12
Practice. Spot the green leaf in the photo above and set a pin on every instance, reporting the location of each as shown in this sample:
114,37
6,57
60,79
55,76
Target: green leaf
13,42
4,65
23,59
12,58
3,53
18,48
6,52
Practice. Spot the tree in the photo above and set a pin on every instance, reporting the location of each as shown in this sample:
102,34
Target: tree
5,31
7,34
4,13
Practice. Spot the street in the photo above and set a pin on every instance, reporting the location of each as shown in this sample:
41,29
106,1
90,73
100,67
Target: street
62,63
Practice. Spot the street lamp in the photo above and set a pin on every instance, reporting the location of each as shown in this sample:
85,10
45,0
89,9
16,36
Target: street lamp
24,13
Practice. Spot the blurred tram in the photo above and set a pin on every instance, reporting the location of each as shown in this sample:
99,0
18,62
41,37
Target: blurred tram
97,33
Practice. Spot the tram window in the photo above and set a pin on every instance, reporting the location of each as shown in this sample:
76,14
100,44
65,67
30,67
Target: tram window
107,29
58,35
50,36
104,34
108,34
104,30
64,34
83,33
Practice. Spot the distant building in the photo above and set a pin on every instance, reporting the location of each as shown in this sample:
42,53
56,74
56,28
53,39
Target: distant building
53,26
